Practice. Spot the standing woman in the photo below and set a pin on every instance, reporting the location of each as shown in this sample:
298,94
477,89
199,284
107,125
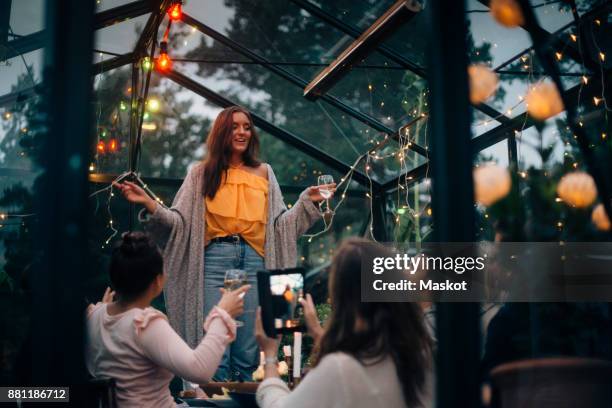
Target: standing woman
228,214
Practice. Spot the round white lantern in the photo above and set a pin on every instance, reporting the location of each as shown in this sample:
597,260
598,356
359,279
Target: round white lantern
544,101
577,189
491,183
507,12
600,218
483,82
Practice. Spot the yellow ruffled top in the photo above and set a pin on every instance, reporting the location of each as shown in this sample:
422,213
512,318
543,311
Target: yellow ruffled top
240,207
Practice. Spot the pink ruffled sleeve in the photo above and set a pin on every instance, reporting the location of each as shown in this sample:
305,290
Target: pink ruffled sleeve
162,345
145,317
225,318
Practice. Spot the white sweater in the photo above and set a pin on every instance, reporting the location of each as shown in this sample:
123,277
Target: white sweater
339,380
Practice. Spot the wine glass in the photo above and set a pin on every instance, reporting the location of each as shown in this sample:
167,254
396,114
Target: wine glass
325,192
234,279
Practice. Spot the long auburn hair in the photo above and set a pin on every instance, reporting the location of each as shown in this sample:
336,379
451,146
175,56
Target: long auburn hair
389,329
219,149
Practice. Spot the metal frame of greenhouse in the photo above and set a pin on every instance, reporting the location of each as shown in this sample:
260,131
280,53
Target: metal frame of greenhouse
68,37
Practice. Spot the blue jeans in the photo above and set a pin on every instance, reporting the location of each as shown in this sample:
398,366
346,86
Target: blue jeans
241,357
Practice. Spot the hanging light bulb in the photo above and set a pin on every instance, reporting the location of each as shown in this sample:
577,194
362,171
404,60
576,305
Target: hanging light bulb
152,105
146,63
164,63
175,11
113,145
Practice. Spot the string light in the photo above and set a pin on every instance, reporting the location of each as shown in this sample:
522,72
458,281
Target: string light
558,55
153,104
573,37
146,64
164,63
585,80
602,56
175,12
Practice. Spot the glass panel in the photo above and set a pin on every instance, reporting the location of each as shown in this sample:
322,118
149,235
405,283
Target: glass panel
21,72
501,43
293,37
498,153
111,99
122,37
410,212
27,16
386,92
533,146
361,13
553,16
21,156
407,40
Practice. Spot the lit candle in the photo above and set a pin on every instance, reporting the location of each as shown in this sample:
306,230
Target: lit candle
297,354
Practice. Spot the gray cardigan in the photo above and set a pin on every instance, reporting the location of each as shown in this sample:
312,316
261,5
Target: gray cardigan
180,232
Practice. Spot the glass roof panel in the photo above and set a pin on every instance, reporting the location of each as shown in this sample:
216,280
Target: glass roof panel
273,98
358,13
27,16
277,30
122,37
408,40
553,16
376,87
388,93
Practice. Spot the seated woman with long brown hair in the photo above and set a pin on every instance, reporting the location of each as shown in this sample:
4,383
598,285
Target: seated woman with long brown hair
370,354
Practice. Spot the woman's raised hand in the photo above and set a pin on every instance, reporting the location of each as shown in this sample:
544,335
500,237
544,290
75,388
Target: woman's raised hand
312,320
232,301
132,192
135,194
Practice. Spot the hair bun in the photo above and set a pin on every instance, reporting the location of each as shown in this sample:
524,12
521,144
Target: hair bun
134,242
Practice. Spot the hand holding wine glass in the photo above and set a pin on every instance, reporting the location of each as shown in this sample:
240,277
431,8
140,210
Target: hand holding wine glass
234,280
326,189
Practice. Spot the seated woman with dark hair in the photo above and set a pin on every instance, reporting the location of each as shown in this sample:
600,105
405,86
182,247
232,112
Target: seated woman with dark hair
133,343
370,354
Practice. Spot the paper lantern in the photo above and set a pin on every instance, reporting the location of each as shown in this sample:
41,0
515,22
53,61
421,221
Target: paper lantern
507,12
577,189
544,101
491,183
600,218
483,82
